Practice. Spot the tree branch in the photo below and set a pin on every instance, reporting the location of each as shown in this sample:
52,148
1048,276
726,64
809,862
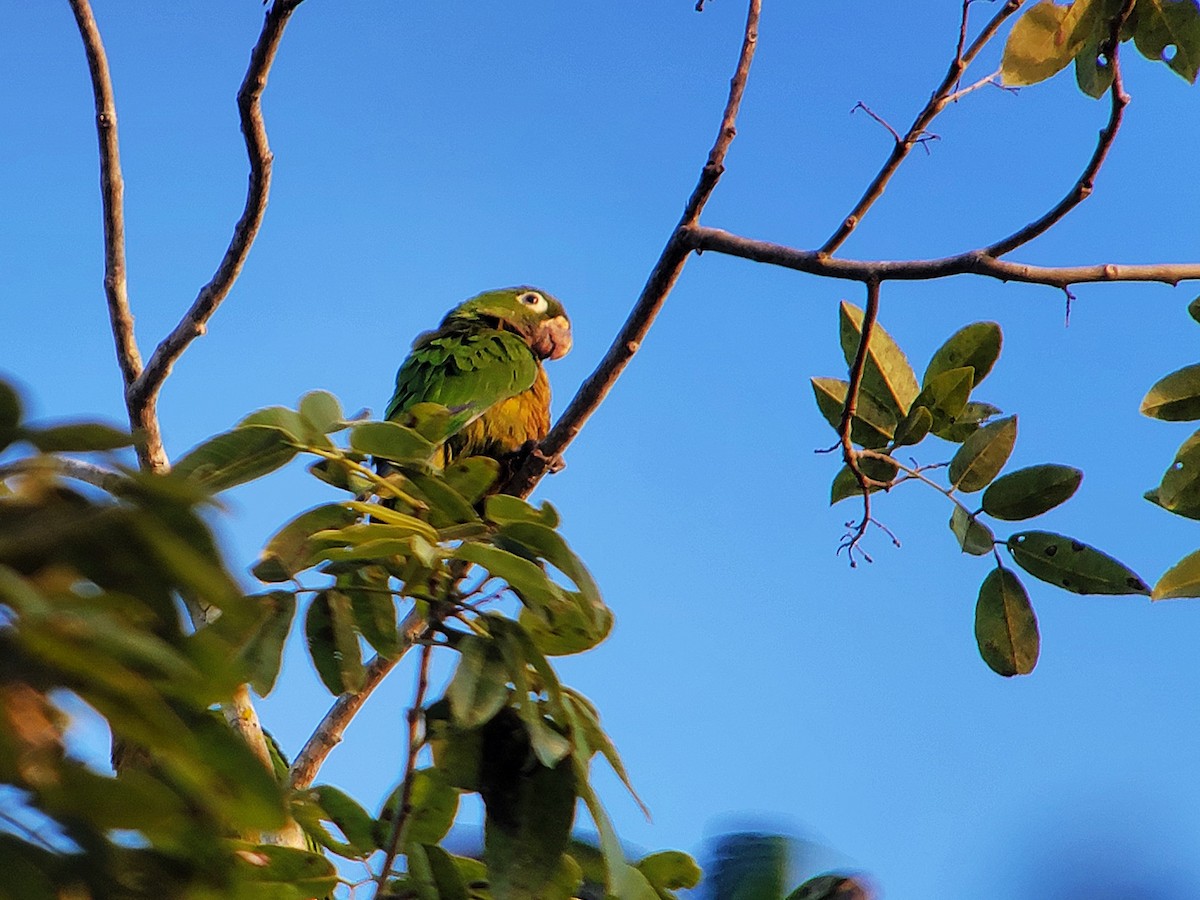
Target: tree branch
937,102
973,262
77,469
112,194
849,455
662,279
143,392
1086,182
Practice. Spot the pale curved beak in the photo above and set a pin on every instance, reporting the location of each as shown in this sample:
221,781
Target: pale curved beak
554,338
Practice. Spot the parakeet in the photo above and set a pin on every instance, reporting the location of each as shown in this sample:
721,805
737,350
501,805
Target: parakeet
484,363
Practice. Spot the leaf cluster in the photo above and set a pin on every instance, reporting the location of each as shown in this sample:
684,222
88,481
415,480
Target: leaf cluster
894,411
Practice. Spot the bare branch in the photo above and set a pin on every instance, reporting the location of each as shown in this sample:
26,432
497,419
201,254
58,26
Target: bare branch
937,102
662,279
144,390
112,194
1086,183
973,262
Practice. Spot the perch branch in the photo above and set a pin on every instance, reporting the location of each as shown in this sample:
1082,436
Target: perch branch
937,102
143,392
662,279
973,262
1086,183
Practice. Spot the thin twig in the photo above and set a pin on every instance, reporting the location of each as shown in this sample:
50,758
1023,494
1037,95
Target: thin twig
849,454
1086,183
662,279
404,807
937,102
143,392
993,79
973,262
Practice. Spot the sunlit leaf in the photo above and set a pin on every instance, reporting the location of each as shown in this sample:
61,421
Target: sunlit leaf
887,375
388,440
1175,397
945,396
976,346
472,476
504,509
1036,48
872,426
1181,580
322,411
289,551
983,455
1031,491
1005,626
670,870
585,717
237,456
1073,565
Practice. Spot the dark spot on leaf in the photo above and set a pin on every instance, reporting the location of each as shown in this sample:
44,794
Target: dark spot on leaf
1066,582
1136,583
1051,549
1076,546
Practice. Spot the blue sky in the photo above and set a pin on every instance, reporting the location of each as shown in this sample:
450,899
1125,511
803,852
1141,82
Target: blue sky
425,152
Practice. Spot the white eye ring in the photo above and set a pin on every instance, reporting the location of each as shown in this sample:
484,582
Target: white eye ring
534,301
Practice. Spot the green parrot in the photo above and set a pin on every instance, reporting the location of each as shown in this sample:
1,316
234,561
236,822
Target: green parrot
484,363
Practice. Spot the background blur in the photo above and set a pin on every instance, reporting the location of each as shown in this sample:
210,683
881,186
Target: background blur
425,152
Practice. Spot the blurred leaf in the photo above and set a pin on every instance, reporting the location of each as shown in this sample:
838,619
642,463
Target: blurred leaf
237,456
1072,565
967,423
1005,626
872,426
332,643
983,455
504,510
833,886
976,346
351,819
973,536
341,474
584,716
887,375
846,485
1181,580
79,437
279,417
456,753
670,870
322,411
10,406
264,654
547,743
374,609
472,476
433,804
1031,491
271,872
397,527
1169,31
479,687
1036,48
527,579
443,873
945,396
1175,397
388,440
289,552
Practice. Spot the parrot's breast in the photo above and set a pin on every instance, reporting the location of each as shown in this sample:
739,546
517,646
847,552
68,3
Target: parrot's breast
508,425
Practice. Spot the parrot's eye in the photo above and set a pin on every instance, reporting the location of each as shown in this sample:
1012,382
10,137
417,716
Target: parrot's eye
533,300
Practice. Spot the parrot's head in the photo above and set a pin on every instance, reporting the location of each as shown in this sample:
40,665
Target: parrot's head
531,313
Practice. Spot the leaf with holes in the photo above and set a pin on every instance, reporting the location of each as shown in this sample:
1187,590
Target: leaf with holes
1179,490
983,455
1072,565
1169,31
1006,629
887,374
1031,491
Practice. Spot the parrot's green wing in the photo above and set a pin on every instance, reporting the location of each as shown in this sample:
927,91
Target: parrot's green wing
467,371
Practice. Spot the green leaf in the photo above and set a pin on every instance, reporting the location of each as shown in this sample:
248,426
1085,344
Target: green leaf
1176,397
846,485
945,396
388,440
456,753
1179,491
527,579
586,718
271,872
1093,69
504,509
10,406
833,887
1169,31
1072,565
1005,626
290,551
444,873
279,417
983,455
1031,491
1194,309
913,427
967,423
322,411
976,346
973,536
237,456
80,437
472,476
1036,46
374,611
1181,580
264,654
479,688
433,804
332,643
887,375
872,426
351,819
670,870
